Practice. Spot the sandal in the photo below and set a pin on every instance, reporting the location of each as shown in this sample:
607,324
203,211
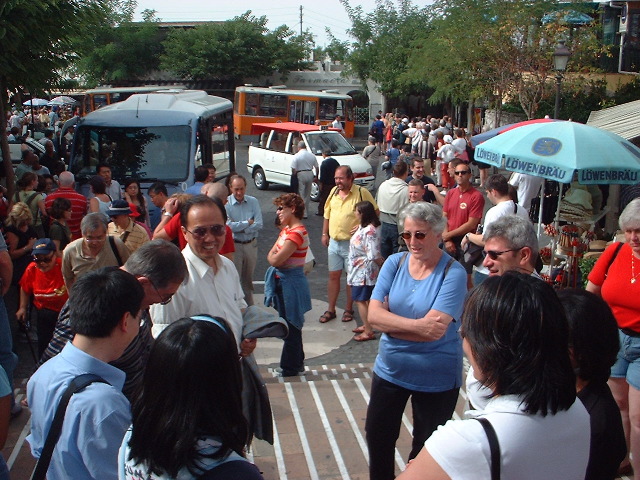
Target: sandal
359,329
327,316
364,337
347,316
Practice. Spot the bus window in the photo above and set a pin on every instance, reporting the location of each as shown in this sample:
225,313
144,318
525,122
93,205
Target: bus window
309,113
151,152
273,105
251,104
87,104
278,141
99,101
220,149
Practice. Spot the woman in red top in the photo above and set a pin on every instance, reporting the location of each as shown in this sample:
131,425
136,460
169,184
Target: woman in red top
616,278
43,279
291,295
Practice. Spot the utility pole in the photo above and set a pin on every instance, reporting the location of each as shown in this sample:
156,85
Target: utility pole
300,21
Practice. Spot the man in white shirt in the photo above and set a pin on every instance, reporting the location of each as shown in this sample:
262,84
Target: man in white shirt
304,166
528,188
113,187
337,123
213,286
498,194
391,197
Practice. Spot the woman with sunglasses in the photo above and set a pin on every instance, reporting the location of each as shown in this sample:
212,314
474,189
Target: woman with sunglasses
363,266
286,286
516,336
195,429
416,303
43,284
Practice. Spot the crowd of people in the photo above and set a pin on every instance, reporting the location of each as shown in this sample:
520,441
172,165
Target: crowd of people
142,302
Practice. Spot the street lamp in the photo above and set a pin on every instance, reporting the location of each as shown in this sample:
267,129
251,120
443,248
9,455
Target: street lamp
560,59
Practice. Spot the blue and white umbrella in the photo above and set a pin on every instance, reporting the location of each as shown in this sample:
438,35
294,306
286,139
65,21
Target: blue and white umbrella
36,102
557,150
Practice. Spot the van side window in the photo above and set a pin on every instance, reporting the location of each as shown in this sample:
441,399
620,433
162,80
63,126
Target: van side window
278,141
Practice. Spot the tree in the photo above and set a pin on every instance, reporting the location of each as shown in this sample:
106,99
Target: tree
233,50
37,38
123,51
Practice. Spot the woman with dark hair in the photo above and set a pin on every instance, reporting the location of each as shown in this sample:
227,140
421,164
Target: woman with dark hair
100,202
286,286
59,231
364,265
187,421
134,196
516,337
594,345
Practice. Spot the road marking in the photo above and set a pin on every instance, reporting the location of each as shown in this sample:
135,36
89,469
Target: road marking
313,473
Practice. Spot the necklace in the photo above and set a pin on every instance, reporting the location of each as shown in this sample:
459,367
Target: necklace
634,277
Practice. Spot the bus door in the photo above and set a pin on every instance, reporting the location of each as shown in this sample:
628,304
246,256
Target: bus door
302,111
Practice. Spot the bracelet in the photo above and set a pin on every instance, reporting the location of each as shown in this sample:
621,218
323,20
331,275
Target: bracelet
325,235
168,214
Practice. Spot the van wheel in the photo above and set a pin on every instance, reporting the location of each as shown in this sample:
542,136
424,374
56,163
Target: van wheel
315,192
259,179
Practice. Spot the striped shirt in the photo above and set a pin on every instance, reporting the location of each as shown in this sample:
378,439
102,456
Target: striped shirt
299,236
134,236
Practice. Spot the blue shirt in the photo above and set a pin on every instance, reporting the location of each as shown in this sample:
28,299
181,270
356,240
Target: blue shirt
421,366
96,419
392,155
239,213
194,189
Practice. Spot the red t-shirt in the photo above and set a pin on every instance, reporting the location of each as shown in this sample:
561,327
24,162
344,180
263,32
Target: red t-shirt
461,206
174,231
48,289
617,290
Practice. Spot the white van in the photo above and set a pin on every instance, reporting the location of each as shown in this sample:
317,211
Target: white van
270,160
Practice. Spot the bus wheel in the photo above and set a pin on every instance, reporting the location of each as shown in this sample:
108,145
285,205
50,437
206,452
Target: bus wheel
315,192
259,179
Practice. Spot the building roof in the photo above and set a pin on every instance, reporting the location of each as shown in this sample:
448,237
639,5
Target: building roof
623,120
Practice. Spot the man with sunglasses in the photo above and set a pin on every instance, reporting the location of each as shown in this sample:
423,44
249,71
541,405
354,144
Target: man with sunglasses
160,268
463,208
213,285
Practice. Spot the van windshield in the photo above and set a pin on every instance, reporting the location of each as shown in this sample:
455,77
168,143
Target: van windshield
331,140
159,153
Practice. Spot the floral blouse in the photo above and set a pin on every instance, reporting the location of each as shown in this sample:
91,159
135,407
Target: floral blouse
364,248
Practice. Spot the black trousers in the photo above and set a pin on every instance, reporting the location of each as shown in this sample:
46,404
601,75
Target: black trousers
384,417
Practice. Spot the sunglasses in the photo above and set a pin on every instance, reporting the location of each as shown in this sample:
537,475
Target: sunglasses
493,254
463,172
418,235
199,232
46,259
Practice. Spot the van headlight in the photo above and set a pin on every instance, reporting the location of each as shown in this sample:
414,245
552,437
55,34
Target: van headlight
369,171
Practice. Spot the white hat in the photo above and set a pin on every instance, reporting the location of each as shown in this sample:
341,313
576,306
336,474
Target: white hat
447,139
405,120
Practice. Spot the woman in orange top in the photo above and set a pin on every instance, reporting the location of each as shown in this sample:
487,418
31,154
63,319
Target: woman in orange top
616,278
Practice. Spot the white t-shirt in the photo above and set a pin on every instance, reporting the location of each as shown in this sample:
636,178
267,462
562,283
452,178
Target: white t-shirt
532,447
494,213
528,187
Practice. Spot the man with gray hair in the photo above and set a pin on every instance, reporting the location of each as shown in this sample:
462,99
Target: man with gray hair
304,167
160,268
510,243
66,182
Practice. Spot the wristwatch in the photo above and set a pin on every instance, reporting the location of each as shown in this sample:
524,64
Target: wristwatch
167,214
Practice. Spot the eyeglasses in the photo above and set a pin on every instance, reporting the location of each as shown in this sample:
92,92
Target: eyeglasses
493,255
46,259
463,172
200,232
163,300
418,235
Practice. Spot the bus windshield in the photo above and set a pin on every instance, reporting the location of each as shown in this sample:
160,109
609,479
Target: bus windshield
318,141
143,152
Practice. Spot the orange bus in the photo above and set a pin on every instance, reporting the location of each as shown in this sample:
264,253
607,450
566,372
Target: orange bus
279,104
101,96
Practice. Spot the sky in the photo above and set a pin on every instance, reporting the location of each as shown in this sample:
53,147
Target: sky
316,15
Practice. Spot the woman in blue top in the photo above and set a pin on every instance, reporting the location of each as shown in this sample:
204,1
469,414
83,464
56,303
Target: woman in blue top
187,420
416,301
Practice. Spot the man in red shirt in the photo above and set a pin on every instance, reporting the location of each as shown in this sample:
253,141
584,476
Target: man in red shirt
463,207
169,226
78,201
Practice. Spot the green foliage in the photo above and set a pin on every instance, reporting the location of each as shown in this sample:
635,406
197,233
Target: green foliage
628,93
128,50
382,47
233,50
586,265
579,97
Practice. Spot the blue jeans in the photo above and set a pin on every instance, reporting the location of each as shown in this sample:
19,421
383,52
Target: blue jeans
292,357
388,239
